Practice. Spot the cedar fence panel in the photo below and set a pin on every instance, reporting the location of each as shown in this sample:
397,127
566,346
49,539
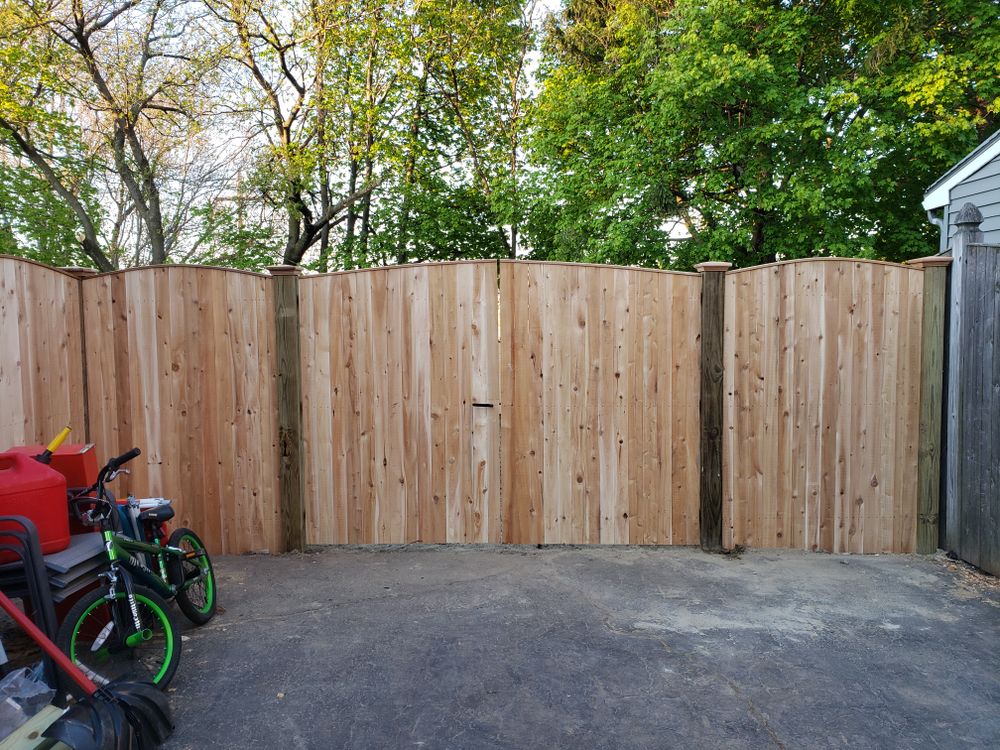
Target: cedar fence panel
600,417
399,372
822,380
562,407
41,370
181,364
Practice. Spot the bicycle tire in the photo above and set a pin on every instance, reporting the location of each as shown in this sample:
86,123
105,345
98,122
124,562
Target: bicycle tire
198,602
88,637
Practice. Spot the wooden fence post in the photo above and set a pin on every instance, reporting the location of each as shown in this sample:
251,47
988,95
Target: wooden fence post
291,478
931,400
713,300
972,452
80,274
967,232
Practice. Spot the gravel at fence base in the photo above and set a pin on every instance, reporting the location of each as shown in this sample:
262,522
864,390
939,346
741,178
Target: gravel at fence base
615,647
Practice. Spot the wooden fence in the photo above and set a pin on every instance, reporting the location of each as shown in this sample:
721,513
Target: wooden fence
517,402
971,522
823,388
41,358
180,362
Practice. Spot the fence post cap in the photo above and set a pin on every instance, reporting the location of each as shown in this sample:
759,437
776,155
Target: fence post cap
284,270
969,216
930,262
79,272
967,231
710,266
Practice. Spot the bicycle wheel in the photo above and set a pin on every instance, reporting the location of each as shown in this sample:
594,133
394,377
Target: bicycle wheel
92,635
197,601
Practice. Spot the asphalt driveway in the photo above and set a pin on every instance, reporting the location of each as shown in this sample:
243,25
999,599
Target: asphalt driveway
614,647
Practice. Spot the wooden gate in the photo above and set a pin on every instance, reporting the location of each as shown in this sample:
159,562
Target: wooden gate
600,404
400,391
822,382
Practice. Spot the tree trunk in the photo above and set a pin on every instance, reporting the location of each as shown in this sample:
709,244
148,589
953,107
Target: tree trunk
154,223
352,217
324,236
309,231
324,173
366,205
294,235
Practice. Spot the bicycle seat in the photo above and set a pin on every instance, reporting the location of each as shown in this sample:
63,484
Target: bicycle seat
159,514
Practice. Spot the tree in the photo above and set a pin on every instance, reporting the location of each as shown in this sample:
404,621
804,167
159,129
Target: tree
455,165
286,52
481,74
111,86
396,107
41,146
768,129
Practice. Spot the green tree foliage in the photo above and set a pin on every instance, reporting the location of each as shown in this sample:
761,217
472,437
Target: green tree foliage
379,129
442,223
768,129
35,222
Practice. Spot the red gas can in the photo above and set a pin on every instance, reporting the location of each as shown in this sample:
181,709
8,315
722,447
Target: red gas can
75,461
31,489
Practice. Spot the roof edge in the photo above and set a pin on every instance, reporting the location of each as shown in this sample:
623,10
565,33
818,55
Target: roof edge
939,194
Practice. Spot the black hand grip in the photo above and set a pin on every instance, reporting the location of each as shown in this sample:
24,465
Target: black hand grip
85,508
124,458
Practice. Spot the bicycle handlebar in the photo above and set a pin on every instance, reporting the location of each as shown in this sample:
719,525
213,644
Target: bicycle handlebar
110,469
116,463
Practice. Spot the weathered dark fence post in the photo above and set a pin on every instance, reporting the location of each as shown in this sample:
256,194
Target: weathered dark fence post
713,301
80,274
966,232
290,456
972,456
931,400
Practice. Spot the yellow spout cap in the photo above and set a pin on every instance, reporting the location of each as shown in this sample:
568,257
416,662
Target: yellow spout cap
58,440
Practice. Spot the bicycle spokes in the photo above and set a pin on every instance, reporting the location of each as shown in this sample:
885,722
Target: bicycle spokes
108,647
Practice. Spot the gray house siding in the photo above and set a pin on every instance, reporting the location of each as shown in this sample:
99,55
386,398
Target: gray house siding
983,189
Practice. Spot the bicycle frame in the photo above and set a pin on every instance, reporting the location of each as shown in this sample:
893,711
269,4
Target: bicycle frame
120,547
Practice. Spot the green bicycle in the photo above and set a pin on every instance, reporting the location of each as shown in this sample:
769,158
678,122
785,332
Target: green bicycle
125,629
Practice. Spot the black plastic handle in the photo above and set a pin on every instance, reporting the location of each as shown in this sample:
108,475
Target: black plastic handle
115,463
85,508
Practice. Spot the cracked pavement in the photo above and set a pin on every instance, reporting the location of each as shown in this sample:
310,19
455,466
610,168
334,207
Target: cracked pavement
602,647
